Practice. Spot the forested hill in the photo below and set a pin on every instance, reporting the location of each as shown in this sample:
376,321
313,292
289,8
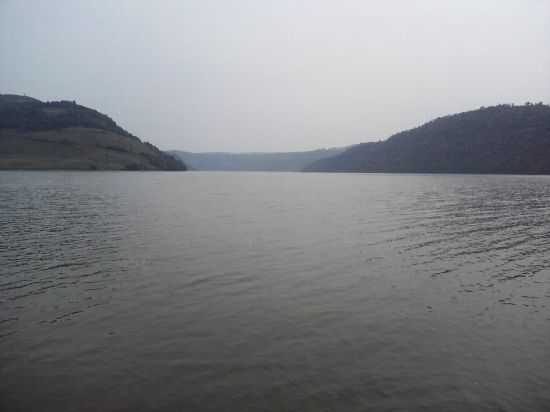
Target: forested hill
282,161
498,139
22,112
65,135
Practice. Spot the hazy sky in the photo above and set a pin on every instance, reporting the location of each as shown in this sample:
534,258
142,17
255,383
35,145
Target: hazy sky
275,75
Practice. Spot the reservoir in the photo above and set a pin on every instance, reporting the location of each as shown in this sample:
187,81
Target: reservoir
219,291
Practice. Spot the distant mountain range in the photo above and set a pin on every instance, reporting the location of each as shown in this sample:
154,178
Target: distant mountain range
498,139
283,161
65,135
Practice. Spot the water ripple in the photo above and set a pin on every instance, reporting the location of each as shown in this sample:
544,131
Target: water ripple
274,291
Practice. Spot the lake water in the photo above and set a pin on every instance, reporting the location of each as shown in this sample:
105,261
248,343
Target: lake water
274,292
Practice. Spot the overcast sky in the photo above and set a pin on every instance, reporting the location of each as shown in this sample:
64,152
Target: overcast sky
275,75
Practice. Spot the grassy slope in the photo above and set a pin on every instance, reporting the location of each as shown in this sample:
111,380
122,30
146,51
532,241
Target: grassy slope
78,148
64,135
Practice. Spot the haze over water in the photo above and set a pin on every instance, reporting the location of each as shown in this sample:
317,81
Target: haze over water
274,292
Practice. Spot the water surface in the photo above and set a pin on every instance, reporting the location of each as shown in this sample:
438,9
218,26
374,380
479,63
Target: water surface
274,292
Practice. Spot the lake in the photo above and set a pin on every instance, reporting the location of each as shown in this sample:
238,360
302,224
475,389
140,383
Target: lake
222,291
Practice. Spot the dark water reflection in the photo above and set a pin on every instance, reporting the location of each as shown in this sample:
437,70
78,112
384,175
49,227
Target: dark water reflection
274,292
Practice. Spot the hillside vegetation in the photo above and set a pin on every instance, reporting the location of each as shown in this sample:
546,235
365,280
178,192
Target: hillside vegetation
65,135
498,139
